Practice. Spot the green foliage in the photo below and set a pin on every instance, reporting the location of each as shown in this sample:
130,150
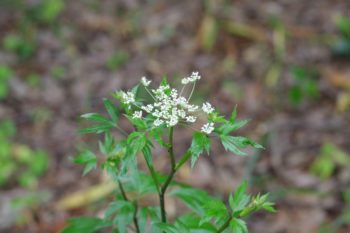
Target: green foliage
30,17
200,142
342,45
18,161
58,72
305,86
86,158
156,122
331,156
23,45
5,75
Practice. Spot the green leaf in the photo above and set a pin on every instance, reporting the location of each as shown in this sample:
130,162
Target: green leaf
89,167
143,216
137,141
238,226
200,141
96,118
181,226
148,155
112,111
240,199
227,128
195,199
234,115
95,129
107,146
269,207
86,225
86,158
156,134
243,142
167,227
114,207
140,124
214,209
125,217
229,146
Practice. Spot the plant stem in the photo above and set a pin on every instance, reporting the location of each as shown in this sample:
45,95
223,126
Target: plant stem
135,203
183,160
226,224
154,177
170,176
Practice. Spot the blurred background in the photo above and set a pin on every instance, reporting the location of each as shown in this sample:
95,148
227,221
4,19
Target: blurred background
286,64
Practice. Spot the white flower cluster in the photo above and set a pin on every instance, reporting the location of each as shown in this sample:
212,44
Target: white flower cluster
128,98
145,81
207,108
169,107
208,128
137,114
193,78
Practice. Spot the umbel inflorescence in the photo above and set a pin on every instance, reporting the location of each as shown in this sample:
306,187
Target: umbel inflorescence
169,107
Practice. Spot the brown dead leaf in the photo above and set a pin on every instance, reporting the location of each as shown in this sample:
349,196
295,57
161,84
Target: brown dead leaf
336,78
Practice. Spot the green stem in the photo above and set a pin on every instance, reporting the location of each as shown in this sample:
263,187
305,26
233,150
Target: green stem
183,160
153,174
194,85
135,203
170,176
150,94
226,224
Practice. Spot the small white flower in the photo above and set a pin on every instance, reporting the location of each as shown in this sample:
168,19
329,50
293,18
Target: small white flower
191,119
158,122
173,121
192,108
128,97
137,114
185,81
193,78
181,113
147,108
145,81
207,108
208,128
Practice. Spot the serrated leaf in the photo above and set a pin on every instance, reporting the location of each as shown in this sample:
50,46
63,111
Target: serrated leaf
85,157
238,226
114,207
214,209
199,142
243,142
143,216
167,227
125,217
95,129
269,206
240,199
86,225
227,128
148,155
193,198
229,146
234,115
112,110
156,134
96,118
89,166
